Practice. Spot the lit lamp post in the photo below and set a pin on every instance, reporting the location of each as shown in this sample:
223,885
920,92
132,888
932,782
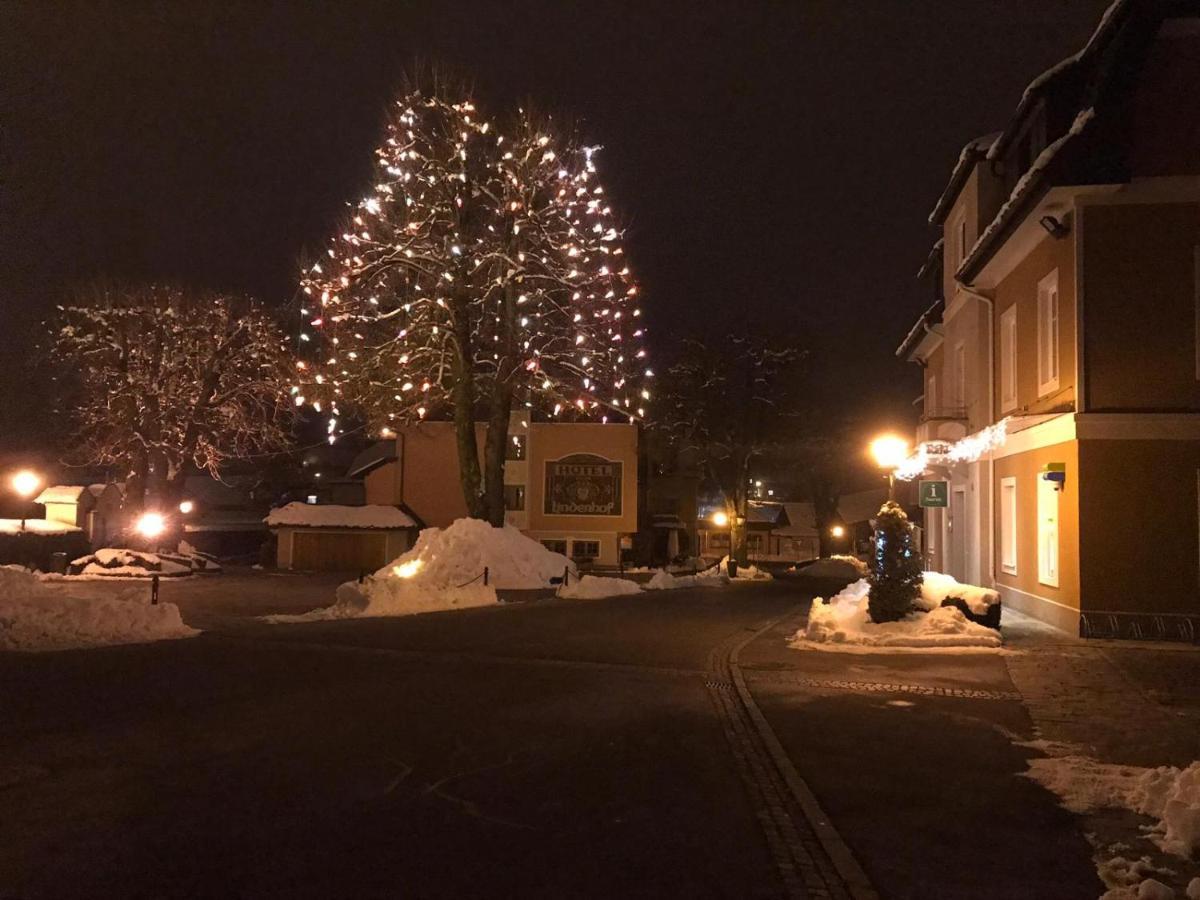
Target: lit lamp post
151,525
837,532
721,519
889,452
25,483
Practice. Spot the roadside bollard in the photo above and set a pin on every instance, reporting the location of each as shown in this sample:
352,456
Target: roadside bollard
566,575
485,576
361,575
154,590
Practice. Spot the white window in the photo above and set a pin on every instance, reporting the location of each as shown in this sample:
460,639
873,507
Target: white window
931,396
1048,334
958,239
960,376
1008,359
1008,525
1047,532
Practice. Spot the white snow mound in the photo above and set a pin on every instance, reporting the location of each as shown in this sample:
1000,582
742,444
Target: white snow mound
36,616
744,573
844,623
1167,794
665,581
444,570
936,587
840,566
593,587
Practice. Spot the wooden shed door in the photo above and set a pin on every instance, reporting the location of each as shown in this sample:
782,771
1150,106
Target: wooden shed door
339,551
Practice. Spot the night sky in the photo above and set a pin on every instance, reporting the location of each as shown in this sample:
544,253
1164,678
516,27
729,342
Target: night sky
775,162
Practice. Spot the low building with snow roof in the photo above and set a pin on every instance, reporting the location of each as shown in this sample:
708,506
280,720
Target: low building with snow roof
332,537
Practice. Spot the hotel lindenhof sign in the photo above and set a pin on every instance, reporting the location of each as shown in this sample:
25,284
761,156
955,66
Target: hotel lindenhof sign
583,484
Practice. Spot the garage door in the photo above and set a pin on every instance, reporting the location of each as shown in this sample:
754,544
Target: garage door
339,551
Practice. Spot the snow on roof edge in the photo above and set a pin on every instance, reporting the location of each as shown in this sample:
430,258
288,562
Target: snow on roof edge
329,515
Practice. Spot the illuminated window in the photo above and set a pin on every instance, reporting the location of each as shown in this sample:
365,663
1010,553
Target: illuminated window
1047,532
1048,334
1008,525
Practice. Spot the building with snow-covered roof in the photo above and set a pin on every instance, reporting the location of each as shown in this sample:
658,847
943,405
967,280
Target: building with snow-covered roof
1061,351
339,538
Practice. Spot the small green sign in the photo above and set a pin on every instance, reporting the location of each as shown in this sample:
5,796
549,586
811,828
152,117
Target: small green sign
933,494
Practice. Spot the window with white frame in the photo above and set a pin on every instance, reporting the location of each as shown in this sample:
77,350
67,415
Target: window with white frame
1047,498
960,376
1008,525
1047,332
1008,359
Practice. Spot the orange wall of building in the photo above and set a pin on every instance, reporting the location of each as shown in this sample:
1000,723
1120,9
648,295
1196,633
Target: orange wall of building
1027,468
1139,541
1020,288
1139,305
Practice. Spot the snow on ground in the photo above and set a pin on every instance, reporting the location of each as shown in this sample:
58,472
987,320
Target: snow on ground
1169,795
744,573
593,587
36,526
936,587
844,624
36,616
838,566
444,570
665,581
116,562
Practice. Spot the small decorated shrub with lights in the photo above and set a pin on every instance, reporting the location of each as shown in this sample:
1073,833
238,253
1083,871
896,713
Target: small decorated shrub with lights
896,568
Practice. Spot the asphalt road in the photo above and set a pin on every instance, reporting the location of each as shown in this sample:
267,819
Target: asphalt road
551,749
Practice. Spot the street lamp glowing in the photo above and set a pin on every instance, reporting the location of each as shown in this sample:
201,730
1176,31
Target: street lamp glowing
26,483
889,451
151,524
186,506
720,519
837,531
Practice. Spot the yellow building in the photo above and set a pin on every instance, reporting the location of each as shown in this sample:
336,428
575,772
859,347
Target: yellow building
572,486
1061,354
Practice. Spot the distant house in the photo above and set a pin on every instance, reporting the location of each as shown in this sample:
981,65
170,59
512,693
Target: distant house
97,509
340,538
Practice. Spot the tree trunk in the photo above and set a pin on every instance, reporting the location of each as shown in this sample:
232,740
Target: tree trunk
494,449
463,396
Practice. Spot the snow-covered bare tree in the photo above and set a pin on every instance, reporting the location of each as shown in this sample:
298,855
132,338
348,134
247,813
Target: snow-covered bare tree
161,382
725,407
483,270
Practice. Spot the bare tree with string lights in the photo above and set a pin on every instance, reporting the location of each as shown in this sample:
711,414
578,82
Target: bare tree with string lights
483,271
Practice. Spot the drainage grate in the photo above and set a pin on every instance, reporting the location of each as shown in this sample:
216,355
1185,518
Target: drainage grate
878,687
717,685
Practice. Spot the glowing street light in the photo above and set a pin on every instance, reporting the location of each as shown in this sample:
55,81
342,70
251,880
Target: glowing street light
26,483
151,525
837,531
889,452
720,519
186,506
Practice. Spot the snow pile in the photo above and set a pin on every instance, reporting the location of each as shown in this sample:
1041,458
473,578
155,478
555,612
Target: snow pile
1169,795
122,563
665,581
744,573
593,587
36,616
849,567
844,623
936,588
444,570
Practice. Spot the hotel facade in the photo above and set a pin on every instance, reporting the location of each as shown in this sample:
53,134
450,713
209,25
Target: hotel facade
1061,350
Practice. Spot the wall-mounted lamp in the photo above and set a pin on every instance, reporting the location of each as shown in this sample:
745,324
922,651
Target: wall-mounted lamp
1056,228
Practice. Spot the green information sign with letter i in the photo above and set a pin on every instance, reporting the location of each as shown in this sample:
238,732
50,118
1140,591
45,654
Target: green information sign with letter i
933,494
